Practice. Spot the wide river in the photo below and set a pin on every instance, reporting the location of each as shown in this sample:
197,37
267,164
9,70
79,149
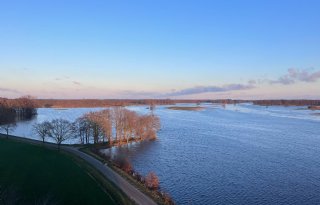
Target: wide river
243,154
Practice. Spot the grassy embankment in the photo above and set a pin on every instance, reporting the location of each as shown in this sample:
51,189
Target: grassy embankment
32,174
186,108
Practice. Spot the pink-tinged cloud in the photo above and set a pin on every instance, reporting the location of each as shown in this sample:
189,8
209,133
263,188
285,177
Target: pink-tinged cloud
76,83
252,82
212,89
8,90
296,75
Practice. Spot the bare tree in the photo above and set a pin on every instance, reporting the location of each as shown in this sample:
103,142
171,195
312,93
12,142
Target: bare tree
118,119
147,127
7,117
7,128
60,130
93,119
152,181
42,129
81,127
106,124
131,119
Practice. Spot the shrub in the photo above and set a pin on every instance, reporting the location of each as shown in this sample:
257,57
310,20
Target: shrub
152,181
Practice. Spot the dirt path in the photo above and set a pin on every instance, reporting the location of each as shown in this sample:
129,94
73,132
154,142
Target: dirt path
131,191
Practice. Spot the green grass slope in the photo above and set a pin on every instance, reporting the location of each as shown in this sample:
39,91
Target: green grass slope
31,174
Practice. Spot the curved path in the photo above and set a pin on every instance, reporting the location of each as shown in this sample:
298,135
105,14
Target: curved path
131,191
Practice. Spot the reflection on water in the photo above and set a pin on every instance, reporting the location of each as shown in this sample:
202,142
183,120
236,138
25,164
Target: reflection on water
243,154
24,128
123,150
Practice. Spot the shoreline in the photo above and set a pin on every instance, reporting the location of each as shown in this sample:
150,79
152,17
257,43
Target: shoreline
125,175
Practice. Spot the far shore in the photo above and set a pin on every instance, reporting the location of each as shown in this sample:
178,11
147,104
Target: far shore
314,107
186,108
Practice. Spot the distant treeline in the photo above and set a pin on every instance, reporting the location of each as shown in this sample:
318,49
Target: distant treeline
287,102
74,103
17,109
256,102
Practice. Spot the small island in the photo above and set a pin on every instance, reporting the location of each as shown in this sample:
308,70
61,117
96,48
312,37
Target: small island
186,108
315,107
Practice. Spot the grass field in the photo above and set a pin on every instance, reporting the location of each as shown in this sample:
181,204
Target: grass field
31,174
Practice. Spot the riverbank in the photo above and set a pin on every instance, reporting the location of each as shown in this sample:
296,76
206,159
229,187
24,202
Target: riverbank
159,197
125,189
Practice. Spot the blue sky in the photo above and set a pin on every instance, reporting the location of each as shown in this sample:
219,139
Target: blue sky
160,48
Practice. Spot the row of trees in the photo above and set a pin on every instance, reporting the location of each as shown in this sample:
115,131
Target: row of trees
98,127
287,102
12,110
59,130
115,126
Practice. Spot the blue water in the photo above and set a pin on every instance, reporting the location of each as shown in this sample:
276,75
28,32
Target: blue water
25,128
242,154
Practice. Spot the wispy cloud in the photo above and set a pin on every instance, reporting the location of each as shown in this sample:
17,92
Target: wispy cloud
214,89
252,82
63,78
139,94
76,83
68,80
8,90
295,75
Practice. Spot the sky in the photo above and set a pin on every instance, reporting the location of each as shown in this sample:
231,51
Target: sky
187,49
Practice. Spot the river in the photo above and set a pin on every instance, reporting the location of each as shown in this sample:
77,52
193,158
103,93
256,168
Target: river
240,154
